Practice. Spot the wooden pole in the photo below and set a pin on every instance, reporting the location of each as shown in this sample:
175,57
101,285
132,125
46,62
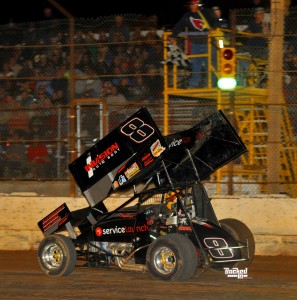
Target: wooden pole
72,113
275,95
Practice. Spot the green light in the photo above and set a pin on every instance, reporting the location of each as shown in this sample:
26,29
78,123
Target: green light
227,83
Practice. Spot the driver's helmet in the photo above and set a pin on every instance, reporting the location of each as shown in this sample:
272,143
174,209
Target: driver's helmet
171,198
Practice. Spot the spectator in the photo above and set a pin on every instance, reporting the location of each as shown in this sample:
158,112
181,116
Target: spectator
106,54
116,75
137,36
25,98
218,12
19,120
106,89
6,103
116,104
199,20
119,32
261,3
15,67
5,97
115,97
116,62
91,48
59,84
101,66
41,64
90,122
139,90
30,38
38,159
6,71
153,84
88,85
15,152
154,45
126,87
103,36
2,157
152,39
83,60
43,95
258,45
27,69
56,59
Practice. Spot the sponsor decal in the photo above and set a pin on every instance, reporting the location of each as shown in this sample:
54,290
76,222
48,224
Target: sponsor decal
183,221
92,164
204,224
175,143
200,135
121,230
236,273
185,228
132,170
122,179
127,215
197,23
147,159
63,220
157,149
122,168
98,231
52,219
178,142
115,184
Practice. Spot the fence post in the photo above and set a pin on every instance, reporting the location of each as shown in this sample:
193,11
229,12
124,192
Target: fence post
275,96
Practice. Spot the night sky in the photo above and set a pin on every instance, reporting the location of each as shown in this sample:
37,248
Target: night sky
167,11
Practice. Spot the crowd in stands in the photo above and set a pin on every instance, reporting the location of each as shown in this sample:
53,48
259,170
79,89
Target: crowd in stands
119,62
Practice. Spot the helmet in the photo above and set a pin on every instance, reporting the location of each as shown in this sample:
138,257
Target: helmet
195,2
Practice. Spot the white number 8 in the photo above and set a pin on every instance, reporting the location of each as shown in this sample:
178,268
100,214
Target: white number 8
137,130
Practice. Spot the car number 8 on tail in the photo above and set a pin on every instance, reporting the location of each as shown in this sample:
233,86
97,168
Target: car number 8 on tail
218,248
137,130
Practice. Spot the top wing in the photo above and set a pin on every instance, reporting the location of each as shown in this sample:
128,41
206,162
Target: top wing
196,153
114,161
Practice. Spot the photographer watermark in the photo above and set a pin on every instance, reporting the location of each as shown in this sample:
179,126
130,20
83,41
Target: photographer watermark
236,273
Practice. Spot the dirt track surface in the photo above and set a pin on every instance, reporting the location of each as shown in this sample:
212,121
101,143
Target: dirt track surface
21,278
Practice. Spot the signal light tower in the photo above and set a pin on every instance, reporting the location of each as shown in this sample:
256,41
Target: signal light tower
227,63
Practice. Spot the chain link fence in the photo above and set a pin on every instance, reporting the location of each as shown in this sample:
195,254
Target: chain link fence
59,92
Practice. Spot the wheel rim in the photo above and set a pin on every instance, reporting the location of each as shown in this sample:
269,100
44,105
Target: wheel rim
52,256
164,260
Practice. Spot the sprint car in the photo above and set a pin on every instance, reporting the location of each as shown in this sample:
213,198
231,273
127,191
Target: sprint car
168,227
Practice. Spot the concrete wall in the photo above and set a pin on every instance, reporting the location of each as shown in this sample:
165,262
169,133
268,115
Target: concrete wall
271,218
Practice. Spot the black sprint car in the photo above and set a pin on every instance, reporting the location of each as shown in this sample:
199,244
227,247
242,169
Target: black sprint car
168,227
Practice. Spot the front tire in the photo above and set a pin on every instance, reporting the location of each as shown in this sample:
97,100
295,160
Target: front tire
241,233
56,255
172,257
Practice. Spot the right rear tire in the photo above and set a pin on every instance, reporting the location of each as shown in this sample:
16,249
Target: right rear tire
241,233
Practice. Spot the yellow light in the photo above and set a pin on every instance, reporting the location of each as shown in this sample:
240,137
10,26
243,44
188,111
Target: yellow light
227,69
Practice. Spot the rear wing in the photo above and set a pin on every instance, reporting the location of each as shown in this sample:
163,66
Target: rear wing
130,150
196,153
136,150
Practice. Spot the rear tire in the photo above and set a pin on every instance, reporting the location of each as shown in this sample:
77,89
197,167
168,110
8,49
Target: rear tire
172,257
241,233
56,255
